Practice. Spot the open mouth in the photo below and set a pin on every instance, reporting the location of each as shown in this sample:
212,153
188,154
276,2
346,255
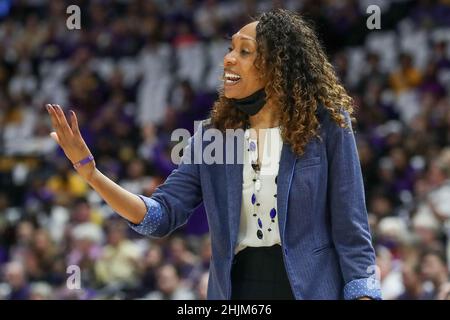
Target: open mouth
231,78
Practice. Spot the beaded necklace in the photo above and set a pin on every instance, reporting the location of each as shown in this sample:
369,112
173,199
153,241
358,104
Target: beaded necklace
252,149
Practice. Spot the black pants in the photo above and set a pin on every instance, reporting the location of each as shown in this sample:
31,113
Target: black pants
259,273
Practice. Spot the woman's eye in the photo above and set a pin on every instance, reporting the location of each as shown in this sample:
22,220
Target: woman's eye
243,52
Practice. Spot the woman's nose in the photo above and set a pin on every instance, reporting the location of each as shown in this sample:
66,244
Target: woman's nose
229,59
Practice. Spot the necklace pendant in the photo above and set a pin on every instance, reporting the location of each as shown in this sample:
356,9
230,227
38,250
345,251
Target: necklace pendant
255,167
273,213
259,234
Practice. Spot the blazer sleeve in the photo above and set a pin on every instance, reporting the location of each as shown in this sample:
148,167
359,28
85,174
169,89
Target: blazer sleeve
349,223
173,202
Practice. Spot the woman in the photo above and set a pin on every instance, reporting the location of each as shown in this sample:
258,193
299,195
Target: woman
289,220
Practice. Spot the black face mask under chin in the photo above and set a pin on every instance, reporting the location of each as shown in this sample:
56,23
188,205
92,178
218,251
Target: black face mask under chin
252,104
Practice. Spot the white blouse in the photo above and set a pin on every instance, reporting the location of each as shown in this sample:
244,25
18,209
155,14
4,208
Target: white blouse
259,216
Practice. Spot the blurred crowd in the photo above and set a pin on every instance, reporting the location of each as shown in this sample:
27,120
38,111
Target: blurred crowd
137,70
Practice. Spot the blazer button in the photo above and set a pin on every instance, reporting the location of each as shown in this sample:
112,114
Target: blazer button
285,251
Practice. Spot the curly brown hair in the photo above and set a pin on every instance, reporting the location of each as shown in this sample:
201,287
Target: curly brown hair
299,77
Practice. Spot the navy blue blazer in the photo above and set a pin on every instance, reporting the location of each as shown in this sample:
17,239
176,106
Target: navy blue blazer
322,214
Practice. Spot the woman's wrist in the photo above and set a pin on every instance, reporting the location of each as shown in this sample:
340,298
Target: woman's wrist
87,171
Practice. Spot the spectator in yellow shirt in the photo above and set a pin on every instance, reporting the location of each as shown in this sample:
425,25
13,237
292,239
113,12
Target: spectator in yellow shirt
406,77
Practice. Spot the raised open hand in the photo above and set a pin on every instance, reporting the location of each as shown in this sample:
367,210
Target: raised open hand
70,140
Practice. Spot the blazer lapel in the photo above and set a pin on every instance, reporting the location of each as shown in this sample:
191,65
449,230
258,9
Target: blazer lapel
284,180
234,179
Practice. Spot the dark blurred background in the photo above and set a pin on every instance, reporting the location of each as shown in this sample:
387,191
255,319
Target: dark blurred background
137,70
